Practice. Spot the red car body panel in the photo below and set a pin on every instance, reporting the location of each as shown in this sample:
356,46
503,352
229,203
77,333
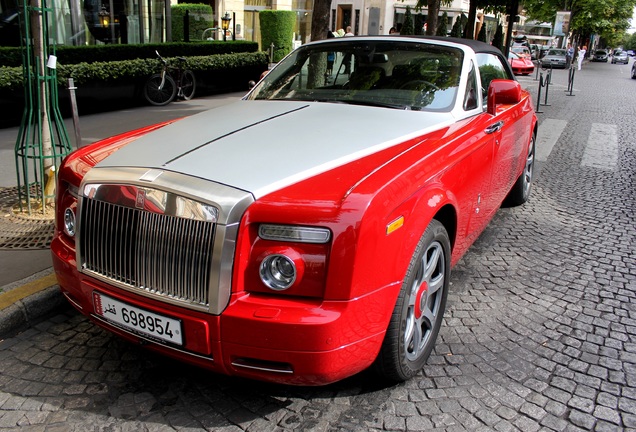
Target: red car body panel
332,326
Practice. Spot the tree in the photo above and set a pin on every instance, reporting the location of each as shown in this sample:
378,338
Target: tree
629,42
487,6
431,19
442,28
407,25
320,19
456,31
418,23
482,33
607,18
497,40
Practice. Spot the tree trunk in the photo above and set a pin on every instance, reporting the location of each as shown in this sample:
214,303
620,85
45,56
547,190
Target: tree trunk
39,52
469,30
431,19
320,20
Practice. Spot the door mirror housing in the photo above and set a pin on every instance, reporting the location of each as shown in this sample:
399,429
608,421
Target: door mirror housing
503,92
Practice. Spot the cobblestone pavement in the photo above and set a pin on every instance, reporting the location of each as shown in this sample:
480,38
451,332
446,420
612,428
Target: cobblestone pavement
540,331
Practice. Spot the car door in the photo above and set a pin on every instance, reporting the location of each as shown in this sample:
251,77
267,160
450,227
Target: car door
506,127
477,164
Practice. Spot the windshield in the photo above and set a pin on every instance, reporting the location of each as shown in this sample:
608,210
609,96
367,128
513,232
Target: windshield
554,52
393,74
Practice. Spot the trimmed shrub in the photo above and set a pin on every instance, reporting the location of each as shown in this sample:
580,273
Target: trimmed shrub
67,55
131,71
201,17
277,27
442,26
408,26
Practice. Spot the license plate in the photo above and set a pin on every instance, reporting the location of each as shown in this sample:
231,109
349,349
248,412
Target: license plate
138,320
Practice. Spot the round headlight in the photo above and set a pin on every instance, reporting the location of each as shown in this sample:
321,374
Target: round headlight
278,272
69,222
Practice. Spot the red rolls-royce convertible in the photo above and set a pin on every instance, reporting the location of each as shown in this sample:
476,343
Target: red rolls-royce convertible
306,232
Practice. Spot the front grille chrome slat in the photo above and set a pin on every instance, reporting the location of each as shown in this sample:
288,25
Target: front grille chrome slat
146,251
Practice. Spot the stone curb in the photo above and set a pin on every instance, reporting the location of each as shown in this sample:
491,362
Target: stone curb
27,302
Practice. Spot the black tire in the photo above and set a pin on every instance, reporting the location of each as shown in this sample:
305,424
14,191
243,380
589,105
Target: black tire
520,191
188,85
160,96
417,316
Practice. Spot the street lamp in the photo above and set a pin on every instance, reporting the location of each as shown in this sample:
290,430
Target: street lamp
104,17
225,24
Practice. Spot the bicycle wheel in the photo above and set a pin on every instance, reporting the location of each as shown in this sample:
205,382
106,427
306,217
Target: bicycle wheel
160,96
188,85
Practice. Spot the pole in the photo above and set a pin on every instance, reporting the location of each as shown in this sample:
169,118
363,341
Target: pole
76,126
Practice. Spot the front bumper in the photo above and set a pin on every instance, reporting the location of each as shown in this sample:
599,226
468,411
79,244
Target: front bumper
283,340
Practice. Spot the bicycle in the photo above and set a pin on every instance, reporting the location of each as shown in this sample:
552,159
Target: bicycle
172,82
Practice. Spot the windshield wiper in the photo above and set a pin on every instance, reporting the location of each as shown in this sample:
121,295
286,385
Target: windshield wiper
365,103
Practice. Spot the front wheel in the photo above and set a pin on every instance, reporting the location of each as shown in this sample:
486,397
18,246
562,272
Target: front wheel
520,192
160,92
417,316
188,85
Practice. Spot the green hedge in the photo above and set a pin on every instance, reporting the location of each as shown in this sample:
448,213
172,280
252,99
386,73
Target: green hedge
277,27
133,70
67,55
201,18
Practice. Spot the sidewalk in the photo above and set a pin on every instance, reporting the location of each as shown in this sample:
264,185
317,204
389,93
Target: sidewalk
28,288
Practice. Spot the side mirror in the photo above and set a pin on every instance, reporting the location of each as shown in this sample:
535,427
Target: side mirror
502,92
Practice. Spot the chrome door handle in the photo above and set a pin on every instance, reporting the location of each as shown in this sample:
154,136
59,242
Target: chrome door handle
494,128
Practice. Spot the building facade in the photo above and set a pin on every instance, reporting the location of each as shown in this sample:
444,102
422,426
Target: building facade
91,22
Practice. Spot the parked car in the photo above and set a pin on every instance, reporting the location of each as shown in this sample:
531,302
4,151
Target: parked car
634,70
620,57
600,55
307,232
520,65
521,51
555,58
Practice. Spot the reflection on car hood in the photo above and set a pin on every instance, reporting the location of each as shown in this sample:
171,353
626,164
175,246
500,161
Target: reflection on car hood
262,146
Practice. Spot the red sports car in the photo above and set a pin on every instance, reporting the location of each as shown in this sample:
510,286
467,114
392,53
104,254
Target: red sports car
520,65
306,232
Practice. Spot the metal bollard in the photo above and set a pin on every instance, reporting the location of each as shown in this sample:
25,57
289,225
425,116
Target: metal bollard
571,81
76,126
548,81
538,108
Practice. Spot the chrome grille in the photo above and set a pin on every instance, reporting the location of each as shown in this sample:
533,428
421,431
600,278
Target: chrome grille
162,254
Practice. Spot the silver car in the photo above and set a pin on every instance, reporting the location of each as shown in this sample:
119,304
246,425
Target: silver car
555,58
620,57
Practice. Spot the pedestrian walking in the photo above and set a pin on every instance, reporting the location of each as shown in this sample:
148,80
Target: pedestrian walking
582,51
569,56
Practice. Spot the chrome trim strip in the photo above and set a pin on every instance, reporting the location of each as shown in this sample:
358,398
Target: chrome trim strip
261,368
167,190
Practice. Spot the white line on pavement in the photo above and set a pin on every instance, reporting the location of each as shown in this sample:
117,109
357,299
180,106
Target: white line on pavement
602,147
549,132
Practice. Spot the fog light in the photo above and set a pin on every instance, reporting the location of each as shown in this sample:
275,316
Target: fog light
278,272
69,222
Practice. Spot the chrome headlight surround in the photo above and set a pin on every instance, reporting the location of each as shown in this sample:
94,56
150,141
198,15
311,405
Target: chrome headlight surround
69,222
278,272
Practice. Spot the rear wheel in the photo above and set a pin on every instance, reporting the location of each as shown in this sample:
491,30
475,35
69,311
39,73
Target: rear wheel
188,85
419,309
520,192
157,94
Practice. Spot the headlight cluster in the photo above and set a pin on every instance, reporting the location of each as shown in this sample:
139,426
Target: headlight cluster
69,222
278,272
293,253
67,209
